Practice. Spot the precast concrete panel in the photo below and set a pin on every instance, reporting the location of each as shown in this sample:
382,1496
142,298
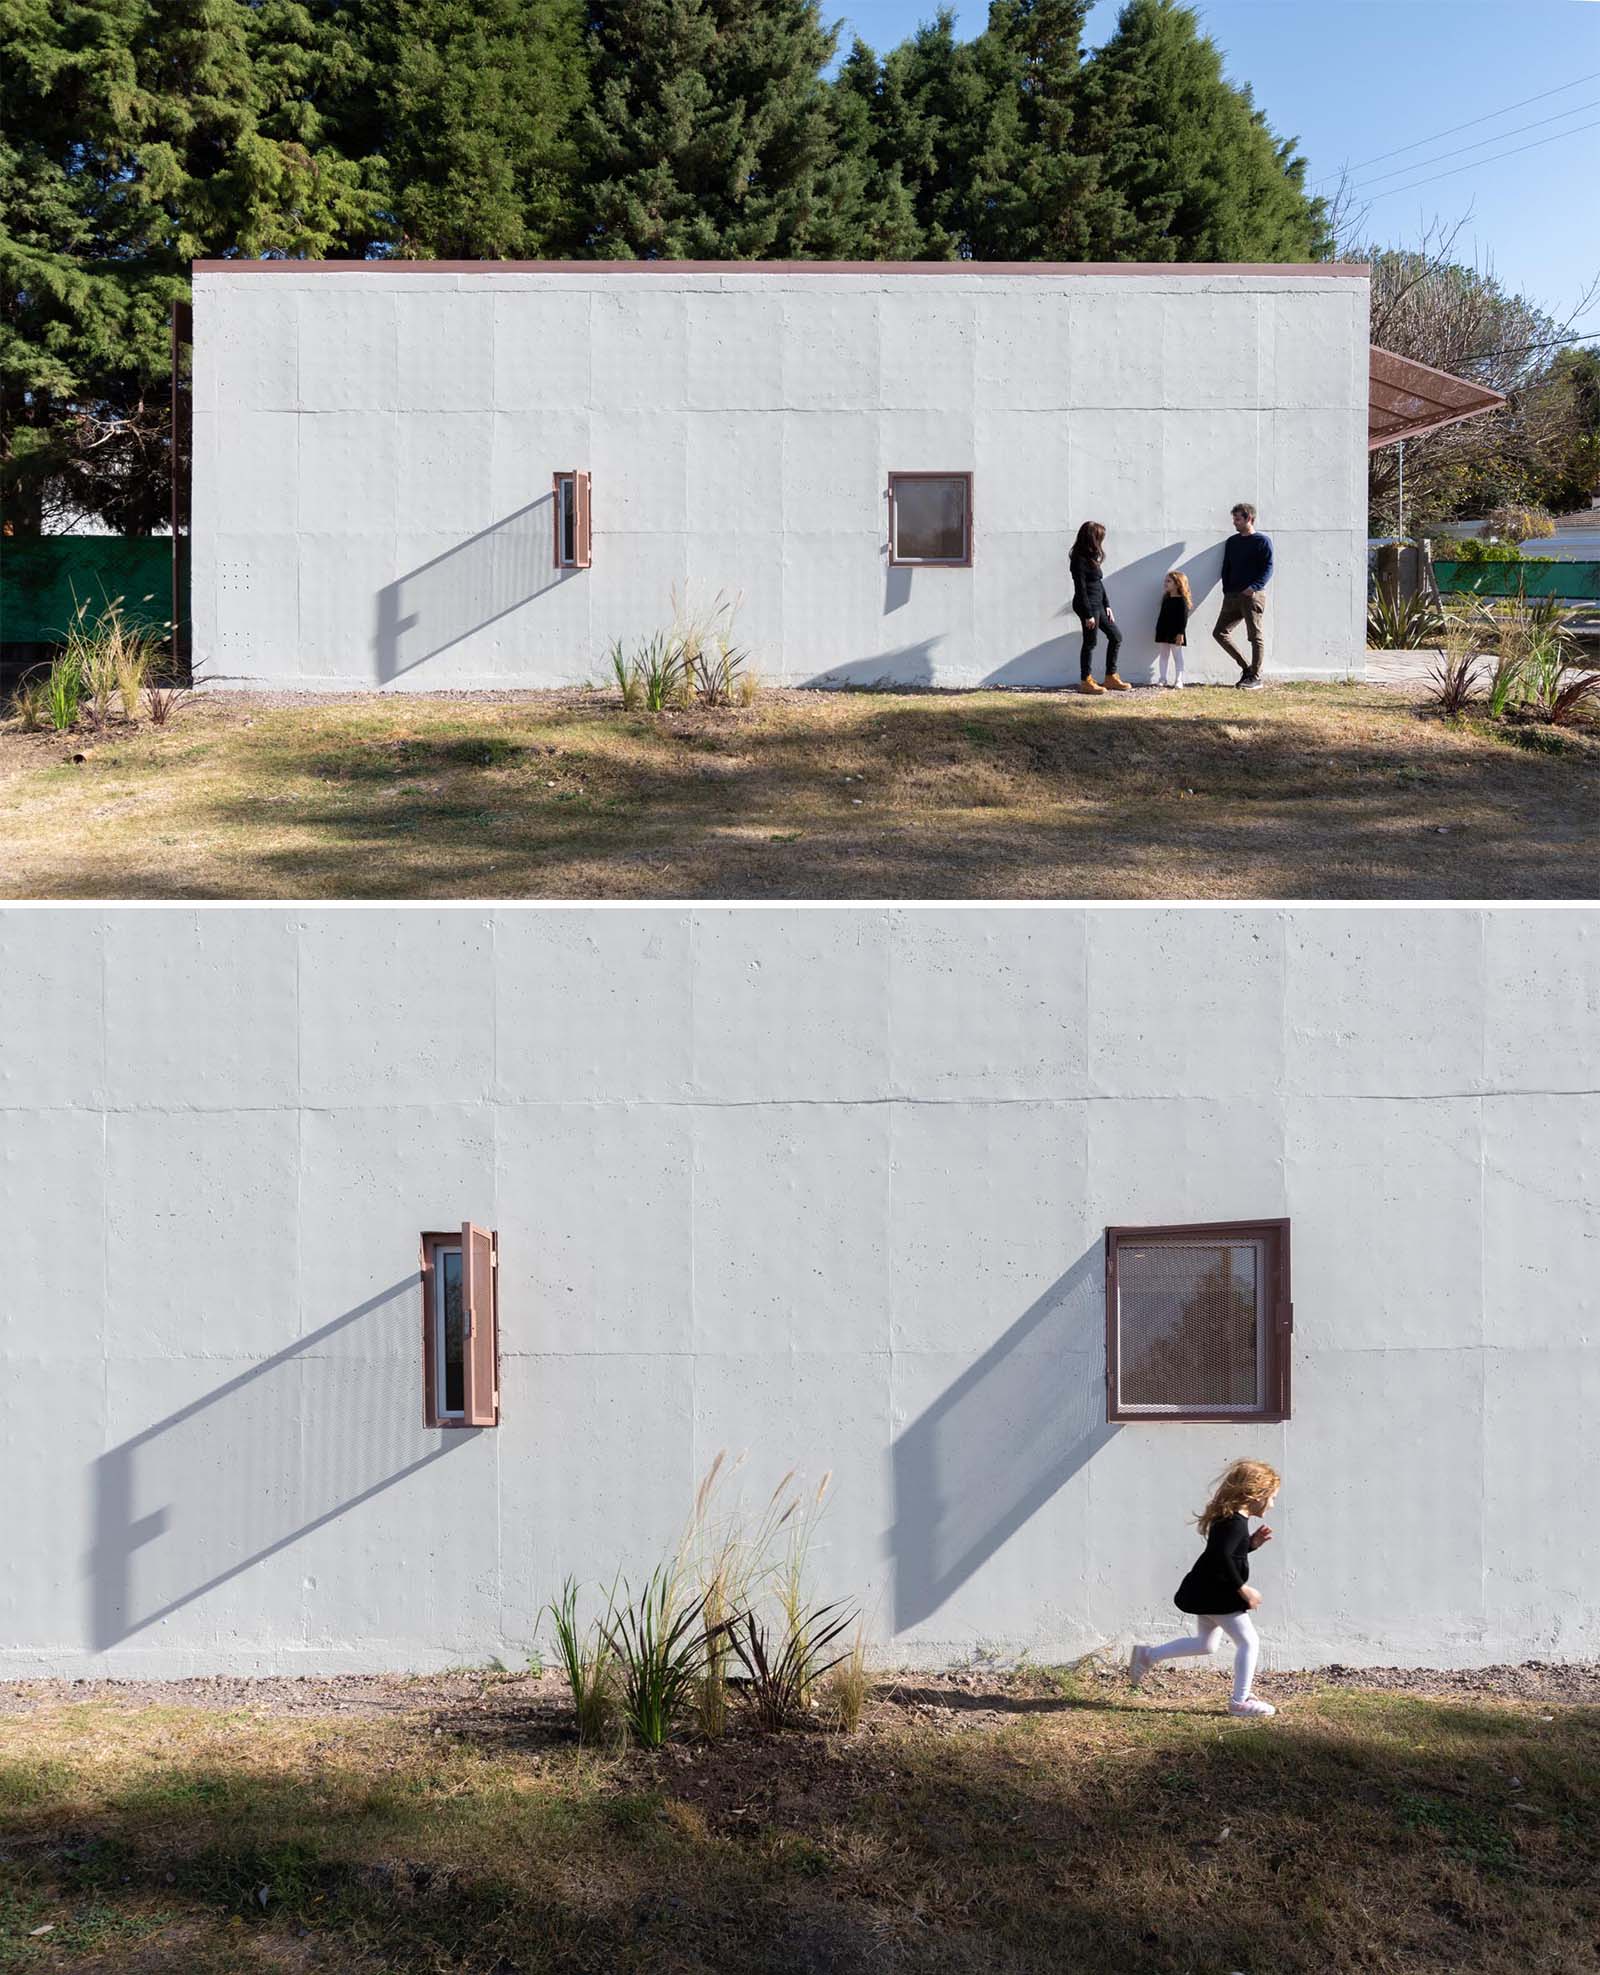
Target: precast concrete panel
374,450
828,1188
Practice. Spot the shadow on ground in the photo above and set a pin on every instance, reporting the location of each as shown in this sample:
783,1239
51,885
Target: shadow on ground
1316,792
1032,1831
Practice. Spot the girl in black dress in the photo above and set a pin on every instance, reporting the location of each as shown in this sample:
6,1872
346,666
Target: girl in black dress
1172,624
1217,1589
1093,608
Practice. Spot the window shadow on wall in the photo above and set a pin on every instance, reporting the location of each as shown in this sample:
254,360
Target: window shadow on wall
240,1474
992,1449
470,586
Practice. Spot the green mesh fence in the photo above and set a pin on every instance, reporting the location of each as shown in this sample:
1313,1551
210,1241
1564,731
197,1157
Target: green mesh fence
1575,582
43,581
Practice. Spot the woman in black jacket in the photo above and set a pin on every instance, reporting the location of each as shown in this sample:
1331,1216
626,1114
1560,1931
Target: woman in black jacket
1093,607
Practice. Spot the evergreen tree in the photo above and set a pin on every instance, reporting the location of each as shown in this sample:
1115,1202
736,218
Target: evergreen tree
1194,164
139,134
868,213
708,135
945,115
1056,207
464,114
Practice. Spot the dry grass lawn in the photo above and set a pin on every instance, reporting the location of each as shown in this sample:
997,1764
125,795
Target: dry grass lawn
991,1826
1301,791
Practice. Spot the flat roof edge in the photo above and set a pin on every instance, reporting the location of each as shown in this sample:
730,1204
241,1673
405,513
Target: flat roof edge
1355,269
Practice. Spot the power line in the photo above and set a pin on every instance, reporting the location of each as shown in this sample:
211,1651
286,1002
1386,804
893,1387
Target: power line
1515,131
1479,163
1504,110
1549,343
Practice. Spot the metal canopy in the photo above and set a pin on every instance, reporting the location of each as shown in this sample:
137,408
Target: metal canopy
1405,398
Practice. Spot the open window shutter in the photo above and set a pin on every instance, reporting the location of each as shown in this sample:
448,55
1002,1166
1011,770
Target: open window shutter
581,496
479,1295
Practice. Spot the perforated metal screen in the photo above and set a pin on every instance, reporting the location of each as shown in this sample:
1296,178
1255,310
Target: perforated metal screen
1191,1326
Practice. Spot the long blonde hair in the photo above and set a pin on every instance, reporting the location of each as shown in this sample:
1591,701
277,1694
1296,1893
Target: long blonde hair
1238,1486
1177,576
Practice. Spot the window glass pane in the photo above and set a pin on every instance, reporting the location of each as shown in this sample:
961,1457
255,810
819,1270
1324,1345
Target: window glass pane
569,519
1189,1320
930,518
452,1332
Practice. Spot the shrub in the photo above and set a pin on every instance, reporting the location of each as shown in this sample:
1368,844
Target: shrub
1555,688
625,670
848,1684
589,1664
658,666
1520,523
63,689
718,674
1534,667
113,658
1576,696
1453,682
729,1559
166,699
660,1648
712,663
1505,683
783,1661
1396,623
30,703
669,1648
1471,550
793,1577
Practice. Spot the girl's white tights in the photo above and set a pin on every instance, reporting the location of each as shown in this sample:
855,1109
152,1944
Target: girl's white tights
1175,653
1207,1637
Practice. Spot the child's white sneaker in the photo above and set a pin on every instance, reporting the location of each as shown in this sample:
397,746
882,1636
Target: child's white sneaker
1251,1708
1138,1665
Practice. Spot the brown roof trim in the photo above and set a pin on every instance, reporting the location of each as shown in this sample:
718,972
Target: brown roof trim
1193,269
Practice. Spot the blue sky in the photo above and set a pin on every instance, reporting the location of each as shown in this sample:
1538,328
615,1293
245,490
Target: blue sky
1355,79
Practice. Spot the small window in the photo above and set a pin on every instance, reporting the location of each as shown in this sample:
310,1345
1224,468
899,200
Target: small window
1198,1322
461,1328
572,520
930,519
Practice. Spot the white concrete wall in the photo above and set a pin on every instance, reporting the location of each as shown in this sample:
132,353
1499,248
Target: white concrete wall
827,1184
373,455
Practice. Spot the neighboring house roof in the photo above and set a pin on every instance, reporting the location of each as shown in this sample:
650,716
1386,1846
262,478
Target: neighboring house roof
1406,397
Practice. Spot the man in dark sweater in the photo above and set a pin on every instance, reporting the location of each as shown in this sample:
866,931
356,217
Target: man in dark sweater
1246,572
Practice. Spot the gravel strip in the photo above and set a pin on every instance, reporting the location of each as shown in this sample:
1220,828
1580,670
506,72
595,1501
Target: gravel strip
377,1695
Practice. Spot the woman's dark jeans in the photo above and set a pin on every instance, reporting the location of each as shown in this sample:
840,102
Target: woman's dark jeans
1091,637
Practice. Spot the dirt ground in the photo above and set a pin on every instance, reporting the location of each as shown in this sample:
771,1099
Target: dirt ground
1301,791
982,1822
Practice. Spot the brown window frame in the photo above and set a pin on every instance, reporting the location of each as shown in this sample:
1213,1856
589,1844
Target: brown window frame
582,529
898,561
1279,1326
480,1292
